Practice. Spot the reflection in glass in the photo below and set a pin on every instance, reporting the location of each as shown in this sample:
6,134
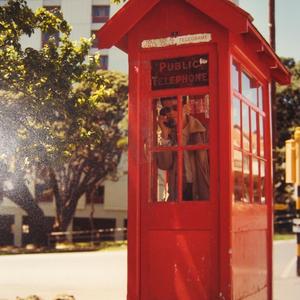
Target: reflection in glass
254,131
261,136
164,176
246,169
246,134
194,126
236,120
195,118
260,97
165,119
249,88
195,177
255,176
238,176
262,181
235,77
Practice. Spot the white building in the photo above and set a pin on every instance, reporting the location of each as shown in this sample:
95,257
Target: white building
85,17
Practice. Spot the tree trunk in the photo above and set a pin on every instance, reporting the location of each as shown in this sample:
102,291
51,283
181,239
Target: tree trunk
58,200
69,211
21,196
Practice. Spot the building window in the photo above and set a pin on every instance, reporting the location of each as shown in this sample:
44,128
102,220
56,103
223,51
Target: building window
248,122
95,41
100,13
47,36
104,62
96,196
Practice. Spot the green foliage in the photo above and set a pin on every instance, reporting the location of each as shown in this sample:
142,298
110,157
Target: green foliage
59,112
288,97
288,117
119,1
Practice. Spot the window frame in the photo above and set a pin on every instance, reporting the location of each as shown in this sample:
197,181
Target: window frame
179,148
100,19
258,111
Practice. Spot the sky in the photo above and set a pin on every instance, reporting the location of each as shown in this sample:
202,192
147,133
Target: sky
287,23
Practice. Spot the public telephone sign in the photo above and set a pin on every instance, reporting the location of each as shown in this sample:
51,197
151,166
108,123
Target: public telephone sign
180,72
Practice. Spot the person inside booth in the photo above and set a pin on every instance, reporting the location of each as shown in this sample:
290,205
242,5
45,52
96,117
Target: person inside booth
195,178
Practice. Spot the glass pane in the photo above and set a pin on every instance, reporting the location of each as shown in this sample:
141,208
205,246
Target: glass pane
246,134
262,136
238,176
260,97
249,88
195,179
262,181
164,176
255,173
164,121
246,169
195,118
236,122
100,11
235,77
254,131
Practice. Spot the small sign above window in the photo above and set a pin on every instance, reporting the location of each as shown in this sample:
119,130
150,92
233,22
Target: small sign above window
178,40
180,72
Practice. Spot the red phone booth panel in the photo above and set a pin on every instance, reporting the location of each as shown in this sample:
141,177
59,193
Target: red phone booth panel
251,174
200,190
179,207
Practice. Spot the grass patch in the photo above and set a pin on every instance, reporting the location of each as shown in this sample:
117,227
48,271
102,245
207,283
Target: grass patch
113,246
284,236
65,247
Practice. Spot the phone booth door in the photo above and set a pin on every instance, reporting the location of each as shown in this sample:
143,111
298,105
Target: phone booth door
179,204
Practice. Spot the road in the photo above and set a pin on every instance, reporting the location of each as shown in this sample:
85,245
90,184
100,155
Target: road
102,275
86,275
286,283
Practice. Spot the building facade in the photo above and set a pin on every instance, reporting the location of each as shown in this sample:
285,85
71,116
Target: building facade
110,199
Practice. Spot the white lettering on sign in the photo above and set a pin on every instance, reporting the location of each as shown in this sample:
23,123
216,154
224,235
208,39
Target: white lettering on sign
179,40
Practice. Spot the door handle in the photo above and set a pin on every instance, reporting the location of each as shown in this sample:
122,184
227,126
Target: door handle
146,149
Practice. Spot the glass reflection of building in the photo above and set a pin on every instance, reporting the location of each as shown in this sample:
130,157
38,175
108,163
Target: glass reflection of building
248,119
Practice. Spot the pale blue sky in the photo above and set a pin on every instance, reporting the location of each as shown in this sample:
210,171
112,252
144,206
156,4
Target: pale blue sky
287,24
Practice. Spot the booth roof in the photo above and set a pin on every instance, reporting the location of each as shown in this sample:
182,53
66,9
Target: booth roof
224,12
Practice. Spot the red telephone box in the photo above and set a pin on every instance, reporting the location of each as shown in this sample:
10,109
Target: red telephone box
200,183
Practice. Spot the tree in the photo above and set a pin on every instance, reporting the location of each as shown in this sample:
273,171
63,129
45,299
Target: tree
91,162
58,113
288,117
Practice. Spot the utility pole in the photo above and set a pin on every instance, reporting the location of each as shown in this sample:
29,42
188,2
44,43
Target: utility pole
272,33
272,24
272,37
